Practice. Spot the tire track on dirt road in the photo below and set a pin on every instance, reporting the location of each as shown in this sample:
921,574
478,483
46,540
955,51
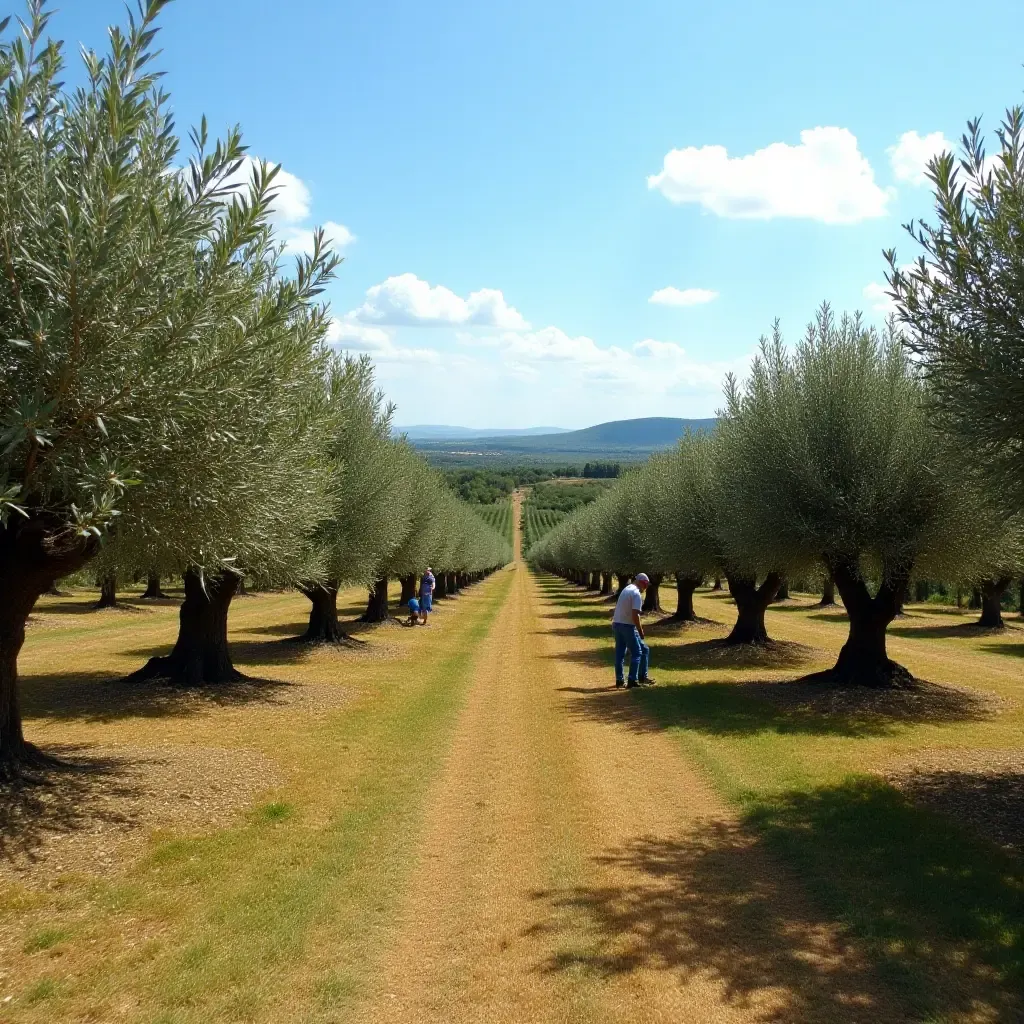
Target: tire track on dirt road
574,867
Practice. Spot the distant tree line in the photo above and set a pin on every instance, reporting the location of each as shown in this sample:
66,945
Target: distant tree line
602,470
485,486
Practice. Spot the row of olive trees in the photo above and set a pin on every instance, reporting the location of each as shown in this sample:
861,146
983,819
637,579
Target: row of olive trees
167,400
825,461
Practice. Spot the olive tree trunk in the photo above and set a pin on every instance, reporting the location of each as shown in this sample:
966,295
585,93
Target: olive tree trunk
717,584
323,626
782,594
751,603
864,661
606,584
652,596
153,591
377,606
108,592
408,590
828,593
685,586
992,602
440,585
200,654
34,554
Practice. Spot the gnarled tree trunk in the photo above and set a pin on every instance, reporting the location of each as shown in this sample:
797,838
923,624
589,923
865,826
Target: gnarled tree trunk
594,583
453,584
440,585
992,602
652,596
408,590
200,654
377,606
108,591
153,591
751,602
864,661
323,627
828,593
685,586
606,584
621,581
34,554
782,594
717,585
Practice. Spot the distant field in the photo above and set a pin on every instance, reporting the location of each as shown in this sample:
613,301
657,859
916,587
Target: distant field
548,503
499,516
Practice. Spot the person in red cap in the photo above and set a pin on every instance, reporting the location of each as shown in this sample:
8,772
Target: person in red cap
629,634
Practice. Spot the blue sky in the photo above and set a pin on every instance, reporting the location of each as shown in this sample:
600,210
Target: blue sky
513,182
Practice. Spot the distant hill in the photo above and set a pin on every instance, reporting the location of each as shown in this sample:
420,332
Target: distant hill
617,439
444,432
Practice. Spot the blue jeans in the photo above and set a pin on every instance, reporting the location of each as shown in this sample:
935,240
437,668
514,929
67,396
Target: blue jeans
627,637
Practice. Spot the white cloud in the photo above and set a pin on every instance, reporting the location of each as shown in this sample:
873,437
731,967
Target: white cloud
405,300
877,297
290,207
910,156
824,178
299,240
356,337
291,194
655,367
682,297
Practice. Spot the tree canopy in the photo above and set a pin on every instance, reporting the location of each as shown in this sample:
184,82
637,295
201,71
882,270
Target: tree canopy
962,301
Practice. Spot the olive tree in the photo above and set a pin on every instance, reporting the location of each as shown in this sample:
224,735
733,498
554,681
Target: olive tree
152,361
828,455
962,302
367,515
670,511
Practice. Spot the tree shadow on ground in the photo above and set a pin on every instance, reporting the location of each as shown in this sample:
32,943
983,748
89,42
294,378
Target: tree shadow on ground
286,629
63,797
707,908
838,616
962,630
935,901
783,707
95,697
936,911
991,803
668,624
125,605
1013,650
717,709
802,607
694,656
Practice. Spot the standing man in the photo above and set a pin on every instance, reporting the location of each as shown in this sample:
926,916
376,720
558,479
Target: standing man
629,634
426,595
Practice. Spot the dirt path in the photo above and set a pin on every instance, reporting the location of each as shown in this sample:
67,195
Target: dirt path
575,867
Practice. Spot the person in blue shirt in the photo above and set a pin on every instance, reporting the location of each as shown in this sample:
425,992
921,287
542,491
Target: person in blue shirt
414,612
426,595
629,635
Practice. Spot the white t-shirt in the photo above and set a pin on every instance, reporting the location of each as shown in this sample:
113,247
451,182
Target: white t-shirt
630,600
